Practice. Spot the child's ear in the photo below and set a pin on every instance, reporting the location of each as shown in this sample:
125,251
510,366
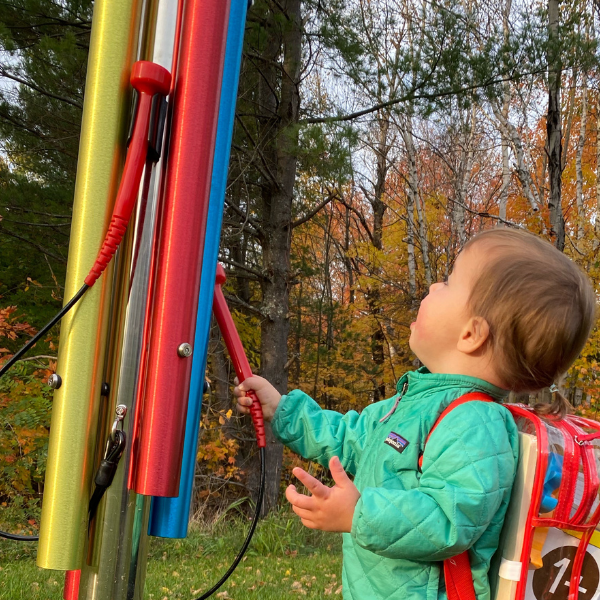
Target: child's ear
473,336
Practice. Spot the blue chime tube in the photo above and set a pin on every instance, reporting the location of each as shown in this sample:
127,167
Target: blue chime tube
169,516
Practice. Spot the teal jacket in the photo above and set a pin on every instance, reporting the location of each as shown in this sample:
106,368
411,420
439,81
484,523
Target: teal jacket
407,521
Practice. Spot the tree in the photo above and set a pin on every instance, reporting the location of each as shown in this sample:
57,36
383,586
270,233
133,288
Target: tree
45,46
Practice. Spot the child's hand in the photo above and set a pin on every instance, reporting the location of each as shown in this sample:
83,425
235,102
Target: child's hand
268,396
328,509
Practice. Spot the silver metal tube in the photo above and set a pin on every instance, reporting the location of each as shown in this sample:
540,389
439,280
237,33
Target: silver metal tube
118,545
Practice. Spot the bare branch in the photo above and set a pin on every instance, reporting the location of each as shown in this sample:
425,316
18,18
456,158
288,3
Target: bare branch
411,96
308,216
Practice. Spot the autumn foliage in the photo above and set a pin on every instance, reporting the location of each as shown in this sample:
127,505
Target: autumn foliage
25,406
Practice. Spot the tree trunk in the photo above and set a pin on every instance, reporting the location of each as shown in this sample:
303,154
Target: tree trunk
379,206
554,128
511,133
347,259
578,166
504,134
597,224
423,239
279,118
412,202
467,156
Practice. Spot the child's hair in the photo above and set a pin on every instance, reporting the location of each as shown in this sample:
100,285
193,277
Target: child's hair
539,306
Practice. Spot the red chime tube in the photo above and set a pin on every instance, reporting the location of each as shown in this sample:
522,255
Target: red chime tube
236,353
171,316
71,591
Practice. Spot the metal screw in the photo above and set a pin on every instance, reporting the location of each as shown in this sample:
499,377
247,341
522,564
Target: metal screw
54,381
185,350
121,410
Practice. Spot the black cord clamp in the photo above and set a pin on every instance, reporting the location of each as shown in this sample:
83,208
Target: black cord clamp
107,469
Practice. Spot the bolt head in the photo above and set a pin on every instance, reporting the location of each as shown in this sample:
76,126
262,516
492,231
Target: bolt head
54,381
185,350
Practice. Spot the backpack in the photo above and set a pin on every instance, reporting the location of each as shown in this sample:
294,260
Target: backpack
548,548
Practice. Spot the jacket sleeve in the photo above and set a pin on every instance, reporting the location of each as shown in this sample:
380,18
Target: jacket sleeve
317,434
468,469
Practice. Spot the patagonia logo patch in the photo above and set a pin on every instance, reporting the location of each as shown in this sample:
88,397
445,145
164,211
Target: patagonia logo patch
397,442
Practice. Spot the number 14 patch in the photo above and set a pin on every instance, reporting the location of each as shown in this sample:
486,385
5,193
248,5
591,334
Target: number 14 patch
396,441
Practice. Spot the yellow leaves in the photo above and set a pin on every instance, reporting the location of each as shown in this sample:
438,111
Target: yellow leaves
225,417
218,455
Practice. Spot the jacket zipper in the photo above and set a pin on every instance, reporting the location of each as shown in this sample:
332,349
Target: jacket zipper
400,396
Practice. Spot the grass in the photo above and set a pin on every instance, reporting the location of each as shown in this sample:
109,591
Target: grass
285,560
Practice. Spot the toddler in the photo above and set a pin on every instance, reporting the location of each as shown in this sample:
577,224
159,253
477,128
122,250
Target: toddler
513,315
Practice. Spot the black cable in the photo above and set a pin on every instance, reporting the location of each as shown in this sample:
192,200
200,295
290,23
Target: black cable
49,325
244,547
55,319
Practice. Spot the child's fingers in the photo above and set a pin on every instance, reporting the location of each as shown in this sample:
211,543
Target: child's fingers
337,472
313,485
243,405
297,499
303,513
308,523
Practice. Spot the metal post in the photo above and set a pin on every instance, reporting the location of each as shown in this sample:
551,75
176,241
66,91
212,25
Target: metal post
117,553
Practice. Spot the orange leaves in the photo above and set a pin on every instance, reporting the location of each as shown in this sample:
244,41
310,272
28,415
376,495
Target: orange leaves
10,327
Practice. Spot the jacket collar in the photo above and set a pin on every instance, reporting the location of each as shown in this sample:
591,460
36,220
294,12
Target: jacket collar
422,382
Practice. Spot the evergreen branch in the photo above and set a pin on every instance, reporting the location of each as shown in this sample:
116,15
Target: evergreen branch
36,246
37,212
29,84
36,224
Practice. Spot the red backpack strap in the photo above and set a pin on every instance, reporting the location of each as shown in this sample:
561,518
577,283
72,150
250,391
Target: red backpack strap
462,400
458,577
457,570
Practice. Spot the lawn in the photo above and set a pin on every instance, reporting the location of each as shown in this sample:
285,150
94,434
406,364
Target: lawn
285,560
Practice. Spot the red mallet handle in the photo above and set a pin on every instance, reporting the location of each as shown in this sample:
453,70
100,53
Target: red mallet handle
237,354
148,79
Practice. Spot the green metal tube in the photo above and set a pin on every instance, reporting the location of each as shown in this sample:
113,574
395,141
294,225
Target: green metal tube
81,357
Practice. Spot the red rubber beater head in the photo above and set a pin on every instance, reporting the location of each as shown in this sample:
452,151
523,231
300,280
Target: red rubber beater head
150,78
221,277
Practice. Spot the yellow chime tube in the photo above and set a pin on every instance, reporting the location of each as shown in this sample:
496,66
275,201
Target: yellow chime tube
113,48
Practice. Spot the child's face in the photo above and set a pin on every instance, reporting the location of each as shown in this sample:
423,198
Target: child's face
443,314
